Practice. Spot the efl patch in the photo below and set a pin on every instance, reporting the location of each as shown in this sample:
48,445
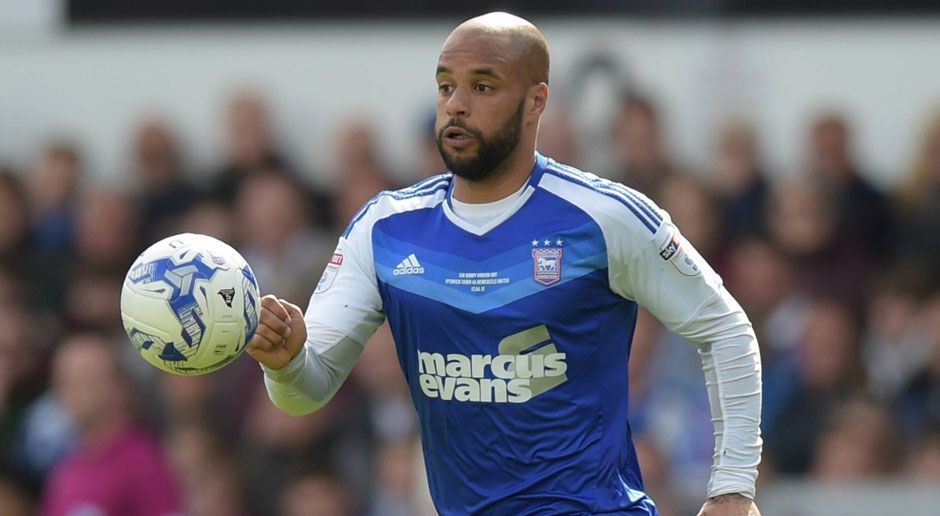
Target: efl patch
673,253
671,247
329,274
546,263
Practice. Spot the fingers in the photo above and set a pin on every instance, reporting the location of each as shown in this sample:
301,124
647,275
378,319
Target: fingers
260,342
274,317
275,307
279,325
274,335
292,309
279,319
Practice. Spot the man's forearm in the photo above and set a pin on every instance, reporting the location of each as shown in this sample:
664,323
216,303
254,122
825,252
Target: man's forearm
731,362
311,379
732,377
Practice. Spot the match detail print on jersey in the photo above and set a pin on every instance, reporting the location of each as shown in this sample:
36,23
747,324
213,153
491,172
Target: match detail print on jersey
478,285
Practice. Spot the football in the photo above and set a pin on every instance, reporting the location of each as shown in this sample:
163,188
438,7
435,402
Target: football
190,304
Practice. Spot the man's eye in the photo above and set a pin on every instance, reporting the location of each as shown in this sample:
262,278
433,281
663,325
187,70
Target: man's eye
444,88
483,88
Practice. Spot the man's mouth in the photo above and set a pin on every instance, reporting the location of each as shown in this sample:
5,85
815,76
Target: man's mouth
456,136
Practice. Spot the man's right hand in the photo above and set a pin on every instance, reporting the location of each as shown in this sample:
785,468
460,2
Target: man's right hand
281,333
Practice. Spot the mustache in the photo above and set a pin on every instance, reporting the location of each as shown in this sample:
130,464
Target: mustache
460,124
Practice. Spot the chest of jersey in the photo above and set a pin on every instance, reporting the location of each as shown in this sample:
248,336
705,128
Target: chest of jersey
508,304
545,245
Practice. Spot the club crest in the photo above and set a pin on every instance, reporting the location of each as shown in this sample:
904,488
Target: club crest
546,263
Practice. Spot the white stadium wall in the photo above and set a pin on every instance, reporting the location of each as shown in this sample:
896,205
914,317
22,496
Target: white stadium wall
94,84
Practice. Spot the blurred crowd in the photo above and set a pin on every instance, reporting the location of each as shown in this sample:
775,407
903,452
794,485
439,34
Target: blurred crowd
838,277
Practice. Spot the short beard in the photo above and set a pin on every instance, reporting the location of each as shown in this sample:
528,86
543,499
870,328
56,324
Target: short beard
490,153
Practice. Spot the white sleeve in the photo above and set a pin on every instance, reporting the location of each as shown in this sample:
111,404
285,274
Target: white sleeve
665,274
344,311
347,296
311,378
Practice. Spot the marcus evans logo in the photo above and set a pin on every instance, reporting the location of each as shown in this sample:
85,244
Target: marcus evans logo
407,266
509,377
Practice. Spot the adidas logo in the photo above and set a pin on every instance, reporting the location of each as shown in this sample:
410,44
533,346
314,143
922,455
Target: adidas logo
407,266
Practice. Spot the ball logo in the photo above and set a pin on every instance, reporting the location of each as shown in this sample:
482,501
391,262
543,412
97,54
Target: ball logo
228,295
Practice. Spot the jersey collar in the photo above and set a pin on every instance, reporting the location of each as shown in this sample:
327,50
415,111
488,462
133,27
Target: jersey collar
531,185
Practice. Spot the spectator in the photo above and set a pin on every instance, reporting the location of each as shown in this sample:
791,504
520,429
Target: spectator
640,152
209,216
360,172
250,145
388,399
738,181
164,190
275,444
857,445
15,499
187,399
557,138
918,404
11,288
209,476
20,378
218,493
429,157
895,343
923,461
804,225
286,255
316,495
106,233
53,190
693,211
117,467
920,204
394,481
93,300
826,373
16,247
862,212
359,156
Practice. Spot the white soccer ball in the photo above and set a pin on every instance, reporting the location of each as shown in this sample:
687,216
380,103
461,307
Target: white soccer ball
190,304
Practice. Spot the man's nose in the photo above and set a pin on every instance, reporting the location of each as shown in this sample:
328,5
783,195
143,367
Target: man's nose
457,104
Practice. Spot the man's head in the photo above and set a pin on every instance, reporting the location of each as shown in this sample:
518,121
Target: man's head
248,130
638,136
829,147
492,78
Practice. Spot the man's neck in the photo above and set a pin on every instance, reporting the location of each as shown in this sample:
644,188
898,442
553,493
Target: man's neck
506,180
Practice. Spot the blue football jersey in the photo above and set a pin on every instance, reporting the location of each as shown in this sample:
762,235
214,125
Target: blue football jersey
514,337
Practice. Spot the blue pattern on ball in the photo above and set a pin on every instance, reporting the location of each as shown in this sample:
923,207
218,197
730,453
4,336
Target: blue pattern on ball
181,279
250,288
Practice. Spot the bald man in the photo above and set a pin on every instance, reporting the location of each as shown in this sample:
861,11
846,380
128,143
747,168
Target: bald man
511,285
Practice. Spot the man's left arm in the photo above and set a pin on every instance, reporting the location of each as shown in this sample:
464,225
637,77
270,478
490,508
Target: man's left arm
666,275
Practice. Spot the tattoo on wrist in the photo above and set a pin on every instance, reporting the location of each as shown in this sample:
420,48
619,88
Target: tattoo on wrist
729,498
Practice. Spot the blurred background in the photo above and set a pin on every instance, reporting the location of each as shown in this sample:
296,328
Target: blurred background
798,149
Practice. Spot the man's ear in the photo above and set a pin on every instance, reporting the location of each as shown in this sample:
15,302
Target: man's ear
537,101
